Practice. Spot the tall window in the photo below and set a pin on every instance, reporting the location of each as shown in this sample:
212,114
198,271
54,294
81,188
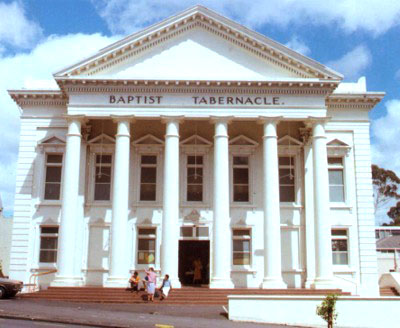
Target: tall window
241,246
240,178
336,179
194,190
286,179
48,244
53,176
146,245
102,181
340,253
148,177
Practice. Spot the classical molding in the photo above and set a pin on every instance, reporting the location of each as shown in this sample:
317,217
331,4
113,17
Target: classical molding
200,17
364,101
38,97
86,85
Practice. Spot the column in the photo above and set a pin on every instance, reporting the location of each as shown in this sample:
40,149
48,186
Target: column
222,233
308,239
65,275
272,221
323,247
119,268
170,226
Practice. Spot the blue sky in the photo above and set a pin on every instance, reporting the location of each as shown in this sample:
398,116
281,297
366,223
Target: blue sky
357,38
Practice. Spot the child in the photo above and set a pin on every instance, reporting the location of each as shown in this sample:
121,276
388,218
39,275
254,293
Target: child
165,287
134,281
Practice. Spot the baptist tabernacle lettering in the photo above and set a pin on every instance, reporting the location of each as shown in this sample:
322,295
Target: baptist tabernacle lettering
241,100
137,100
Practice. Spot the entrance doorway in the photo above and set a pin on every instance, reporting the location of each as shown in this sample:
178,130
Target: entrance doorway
189,252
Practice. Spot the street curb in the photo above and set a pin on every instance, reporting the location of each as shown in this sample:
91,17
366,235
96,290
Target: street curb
62,321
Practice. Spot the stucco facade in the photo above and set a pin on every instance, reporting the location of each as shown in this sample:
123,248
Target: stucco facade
197,138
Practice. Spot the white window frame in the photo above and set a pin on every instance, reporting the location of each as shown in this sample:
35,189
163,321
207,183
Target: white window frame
46,165
341,237
156,183
156,148
242,146
52,145
291,166
189,147
138,237
52,235
194,236
248,237
291,147
342,150
337,167
106,146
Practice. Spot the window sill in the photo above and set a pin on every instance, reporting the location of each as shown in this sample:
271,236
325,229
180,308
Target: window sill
242,205
147,204
243,269
49,203
44,267
338,268
99,204
195,204
290,205
340,206
95,270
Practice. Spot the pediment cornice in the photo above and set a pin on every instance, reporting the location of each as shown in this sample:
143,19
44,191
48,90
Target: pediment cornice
38,97
366,101
296,86
200,17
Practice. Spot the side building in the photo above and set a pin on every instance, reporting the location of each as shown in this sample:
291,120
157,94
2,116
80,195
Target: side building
200,141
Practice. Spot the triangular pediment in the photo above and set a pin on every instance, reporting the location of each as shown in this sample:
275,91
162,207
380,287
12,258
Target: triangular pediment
102,139
149,139
242,140
202,45
337,143
52,140
289,141
196,140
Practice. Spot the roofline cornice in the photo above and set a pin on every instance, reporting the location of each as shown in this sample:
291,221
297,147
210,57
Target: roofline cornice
38,97
365,100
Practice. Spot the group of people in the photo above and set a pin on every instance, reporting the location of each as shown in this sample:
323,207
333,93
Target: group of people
149,282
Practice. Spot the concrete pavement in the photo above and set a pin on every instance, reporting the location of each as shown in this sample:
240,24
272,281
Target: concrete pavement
120,315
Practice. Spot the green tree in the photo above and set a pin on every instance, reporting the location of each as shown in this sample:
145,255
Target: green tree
386,186
394,214
327,310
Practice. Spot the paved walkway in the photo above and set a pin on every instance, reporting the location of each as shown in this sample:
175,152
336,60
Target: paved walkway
121,315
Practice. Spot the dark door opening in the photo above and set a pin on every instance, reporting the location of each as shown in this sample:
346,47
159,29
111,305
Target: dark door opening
194,262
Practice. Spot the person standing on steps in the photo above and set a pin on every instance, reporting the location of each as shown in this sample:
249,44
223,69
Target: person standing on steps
165,287
198,267
151,285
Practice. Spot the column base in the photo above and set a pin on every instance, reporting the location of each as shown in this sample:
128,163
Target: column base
174,282
308,283
273,283
121,282
60,281
221,283
323,283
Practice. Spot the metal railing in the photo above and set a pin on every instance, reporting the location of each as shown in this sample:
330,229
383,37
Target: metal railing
32,286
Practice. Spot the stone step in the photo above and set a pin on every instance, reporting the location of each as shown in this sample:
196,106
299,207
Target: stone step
389,291
186,295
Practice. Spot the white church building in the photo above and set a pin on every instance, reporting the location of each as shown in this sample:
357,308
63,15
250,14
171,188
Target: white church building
196,139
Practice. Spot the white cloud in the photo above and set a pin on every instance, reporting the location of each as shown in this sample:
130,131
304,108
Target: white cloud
385,148
15,28
20,70
373,16
397,75
385,132
353,63
298,45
